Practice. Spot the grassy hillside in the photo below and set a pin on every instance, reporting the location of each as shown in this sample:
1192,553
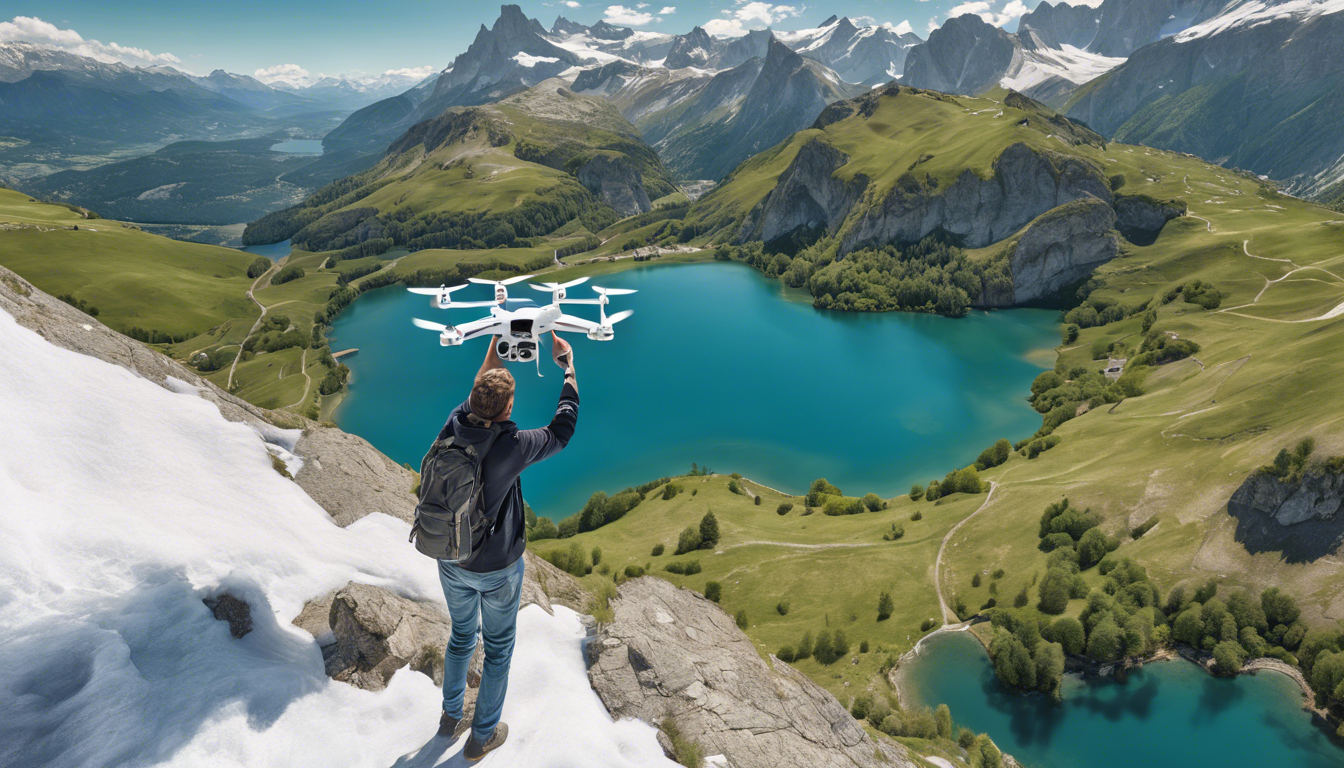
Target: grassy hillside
134,279
512,174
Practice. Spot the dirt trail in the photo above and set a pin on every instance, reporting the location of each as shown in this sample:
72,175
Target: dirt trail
949,617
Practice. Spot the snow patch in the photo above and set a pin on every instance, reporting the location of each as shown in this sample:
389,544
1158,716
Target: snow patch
1257,12
160,193
1067,62
122,505
181,387
528,60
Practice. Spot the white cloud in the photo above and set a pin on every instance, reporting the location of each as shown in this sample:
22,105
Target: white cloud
419,73
753,15
1011,10
629,17
933,25
572,4
903,28
286,74
667,9
47,35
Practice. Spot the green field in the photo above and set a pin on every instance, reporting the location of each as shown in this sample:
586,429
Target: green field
830,569
134,279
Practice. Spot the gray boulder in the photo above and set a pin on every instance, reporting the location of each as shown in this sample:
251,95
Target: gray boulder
671,654
233,610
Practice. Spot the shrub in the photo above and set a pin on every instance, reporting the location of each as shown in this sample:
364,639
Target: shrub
927,624
872,501
634,571
573,560
258,267
1228,657
994,455
917,515
741,618
597,555
819,489
784,509
933,492
685,568
1202,293
670,490
657,549
895,532
916,492
734,487
782,607
804,648
884,606
785,654
758,501
709,531
823,650
688,541
544,529
291,272
713,591
842,505
1070,333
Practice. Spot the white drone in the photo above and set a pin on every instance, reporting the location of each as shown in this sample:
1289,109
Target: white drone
519,323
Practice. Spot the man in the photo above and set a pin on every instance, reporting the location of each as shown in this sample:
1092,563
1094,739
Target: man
485,589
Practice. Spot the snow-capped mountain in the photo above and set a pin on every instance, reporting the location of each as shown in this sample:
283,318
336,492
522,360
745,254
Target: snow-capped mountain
1047,59
1259,85
869,55
704,123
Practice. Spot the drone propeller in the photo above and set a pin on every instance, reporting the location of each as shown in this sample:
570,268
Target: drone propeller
619,316
559,286
429,325
613,291
510,281
442,290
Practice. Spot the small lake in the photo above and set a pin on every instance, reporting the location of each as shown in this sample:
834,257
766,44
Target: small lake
272,251
299,146
723,367
1167,715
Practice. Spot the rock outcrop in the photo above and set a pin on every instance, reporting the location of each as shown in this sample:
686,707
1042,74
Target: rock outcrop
1145,214
1303,518
611,176
377,633
234,611
1062,246
671,654
807,194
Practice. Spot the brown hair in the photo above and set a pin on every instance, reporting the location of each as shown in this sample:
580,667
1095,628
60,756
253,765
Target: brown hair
491,394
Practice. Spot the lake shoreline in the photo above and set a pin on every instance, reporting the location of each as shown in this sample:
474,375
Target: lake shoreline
1088,671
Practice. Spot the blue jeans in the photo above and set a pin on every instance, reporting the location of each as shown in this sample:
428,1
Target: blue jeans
488,600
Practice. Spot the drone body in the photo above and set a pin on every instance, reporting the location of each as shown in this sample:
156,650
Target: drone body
520,323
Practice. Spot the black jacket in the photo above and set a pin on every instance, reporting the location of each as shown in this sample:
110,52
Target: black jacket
502,542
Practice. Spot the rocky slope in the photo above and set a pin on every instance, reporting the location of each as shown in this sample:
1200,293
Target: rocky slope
869,55
1256,88
1302,518
705,124
670,654
1042,60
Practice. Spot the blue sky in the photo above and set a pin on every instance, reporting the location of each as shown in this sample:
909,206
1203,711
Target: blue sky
370,38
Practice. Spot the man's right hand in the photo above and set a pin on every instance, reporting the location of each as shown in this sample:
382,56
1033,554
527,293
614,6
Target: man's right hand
561,352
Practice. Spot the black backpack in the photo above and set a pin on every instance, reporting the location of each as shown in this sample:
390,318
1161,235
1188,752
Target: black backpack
452,502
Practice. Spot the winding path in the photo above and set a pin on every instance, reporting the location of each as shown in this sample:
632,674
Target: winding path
264,276
938,563
1333,313
303,369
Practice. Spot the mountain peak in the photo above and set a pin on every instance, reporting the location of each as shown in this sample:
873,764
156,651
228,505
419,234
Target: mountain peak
829,21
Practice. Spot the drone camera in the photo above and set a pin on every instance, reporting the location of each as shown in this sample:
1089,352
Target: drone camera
527,350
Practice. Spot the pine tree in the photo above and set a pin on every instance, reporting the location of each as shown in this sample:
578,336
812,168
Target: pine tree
884,606
709,531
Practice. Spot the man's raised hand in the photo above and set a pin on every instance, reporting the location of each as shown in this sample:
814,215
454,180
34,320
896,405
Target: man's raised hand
561,352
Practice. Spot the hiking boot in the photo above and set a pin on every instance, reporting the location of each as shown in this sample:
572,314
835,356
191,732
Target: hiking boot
475,750
452,727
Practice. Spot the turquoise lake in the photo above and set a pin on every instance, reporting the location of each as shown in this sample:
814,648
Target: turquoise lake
723,367
1166,715
272,251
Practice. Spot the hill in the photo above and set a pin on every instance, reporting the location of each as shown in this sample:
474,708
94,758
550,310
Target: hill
509,174
189,182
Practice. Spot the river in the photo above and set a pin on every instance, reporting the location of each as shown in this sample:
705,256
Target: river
723,367
1166,715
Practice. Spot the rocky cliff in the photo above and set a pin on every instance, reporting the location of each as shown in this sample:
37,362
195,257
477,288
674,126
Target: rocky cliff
964,55
1025,184
1062,246
670,654
1303,517
611,176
